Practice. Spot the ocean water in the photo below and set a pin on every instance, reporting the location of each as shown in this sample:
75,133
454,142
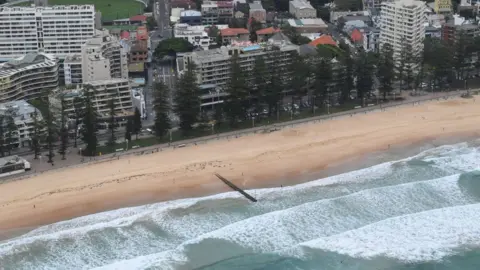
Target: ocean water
422,212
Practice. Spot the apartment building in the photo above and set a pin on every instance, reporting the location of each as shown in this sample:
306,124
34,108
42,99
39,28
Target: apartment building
191,17
443,6
103,91
213,66
196,35
403,22
57,30
302,9
102,57
217,12
28,77
451,32
257,12
22,113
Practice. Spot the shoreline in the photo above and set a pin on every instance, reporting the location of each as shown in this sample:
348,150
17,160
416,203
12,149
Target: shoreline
269,160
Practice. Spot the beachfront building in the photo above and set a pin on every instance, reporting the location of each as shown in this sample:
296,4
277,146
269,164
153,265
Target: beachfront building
103,91
22,113
28,77
57,30
213,66
302,9
403,22
102,58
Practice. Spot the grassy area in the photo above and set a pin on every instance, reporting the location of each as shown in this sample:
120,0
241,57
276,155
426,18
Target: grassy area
111,9
224,127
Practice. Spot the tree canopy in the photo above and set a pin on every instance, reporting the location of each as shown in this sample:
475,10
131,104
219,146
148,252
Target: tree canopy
172,46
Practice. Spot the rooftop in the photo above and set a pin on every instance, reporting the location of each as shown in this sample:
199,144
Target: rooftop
48,8
307,22
233,31
256,5
20,109
301,4
323,40
405,3
268,31
106,82
26,62
138,18
356,36
190,13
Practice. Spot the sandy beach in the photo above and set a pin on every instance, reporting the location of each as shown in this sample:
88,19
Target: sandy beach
279,158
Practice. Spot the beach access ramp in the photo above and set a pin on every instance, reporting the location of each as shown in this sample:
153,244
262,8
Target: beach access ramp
234,187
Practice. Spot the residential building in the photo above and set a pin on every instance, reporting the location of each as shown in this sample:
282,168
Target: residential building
102,58
138,54
451,31
372,4
22,113
443,6
433,32
266,33
403,22
230,35
302,9
196,35
72,66
257,12
185,4
191,17
213,66
217,12
371,39
103,91
308,25
135,20
28,77
57,30
323,40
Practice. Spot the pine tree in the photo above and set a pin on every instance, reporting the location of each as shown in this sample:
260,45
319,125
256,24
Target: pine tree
37,133
51,133
112,125
89,131
364,72
187,101
137,122
63,130
347,72
275,82
259,74
129,129
237,99
77,107
2,135
323,79
385,71
11,131
298,79
162,108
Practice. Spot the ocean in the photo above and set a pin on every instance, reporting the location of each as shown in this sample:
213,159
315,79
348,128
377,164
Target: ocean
420,212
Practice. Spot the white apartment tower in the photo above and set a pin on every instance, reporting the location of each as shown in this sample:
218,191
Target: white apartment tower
402,22
58,30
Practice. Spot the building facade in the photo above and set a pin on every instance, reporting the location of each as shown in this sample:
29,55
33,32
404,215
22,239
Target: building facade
28,77
257,12
443,6
217,12
403,22
302,9
196,35
57,30
23,114
213,66
191,17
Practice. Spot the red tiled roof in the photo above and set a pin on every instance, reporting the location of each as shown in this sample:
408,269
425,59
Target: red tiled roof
138,18
233,31
125,35
325,39
356,35
268,31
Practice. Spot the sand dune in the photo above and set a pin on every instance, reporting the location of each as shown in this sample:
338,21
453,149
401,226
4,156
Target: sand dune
253,161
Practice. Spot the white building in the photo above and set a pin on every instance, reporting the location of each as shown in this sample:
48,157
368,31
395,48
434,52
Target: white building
28,77
371,39
22,113
196,35
102,58
58,30
302,9
403,22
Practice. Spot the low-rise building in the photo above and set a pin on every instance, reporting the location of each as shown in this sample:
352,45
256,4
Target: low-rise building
257,12
230,35
266,33
302,9
28,77
371,39
191,17
23,117
308,25
196,35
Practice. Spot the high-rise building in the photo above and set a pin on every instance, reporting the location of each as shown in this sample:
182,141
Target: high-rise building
101,58
401,23
58,30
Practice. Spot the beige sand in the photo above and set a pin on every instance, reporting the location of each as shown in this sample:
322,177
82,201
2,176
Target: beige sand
252,161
